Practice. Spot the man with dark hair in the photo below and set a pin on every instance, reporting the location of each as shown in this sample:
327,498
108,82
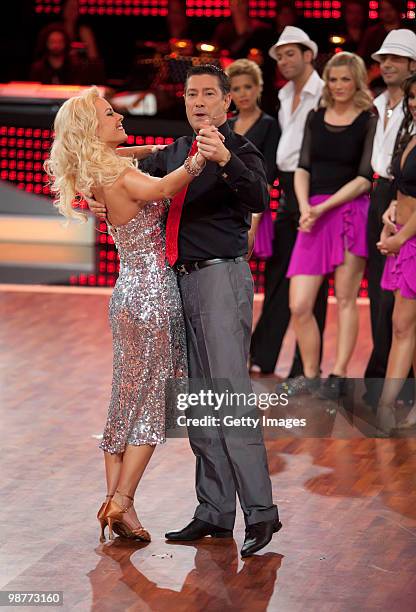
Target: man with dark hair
217,294
294,53
397,60
214,71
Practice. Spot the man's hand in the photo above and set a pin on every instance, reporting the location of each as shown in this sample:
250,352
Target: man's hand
389,217
211,146
97,208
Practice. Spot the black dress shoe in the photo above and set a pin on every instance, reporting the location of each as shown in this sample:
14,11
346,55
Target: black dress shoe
258,536
198,529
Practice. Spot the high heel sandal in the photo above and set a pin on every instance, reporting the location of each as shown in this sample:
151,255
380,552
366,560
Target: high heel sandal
114,516
102,518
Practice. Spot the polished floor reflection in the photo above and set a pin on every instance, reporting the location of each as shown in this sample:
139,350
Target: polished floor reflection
348,505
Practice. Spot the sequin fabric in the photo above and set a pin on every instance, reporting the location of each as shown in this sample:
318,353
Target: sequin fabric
149,347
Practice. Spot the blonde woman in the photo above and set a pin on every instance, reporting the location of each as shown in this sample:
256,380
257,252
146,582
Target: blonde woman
331,184
246,86
145,308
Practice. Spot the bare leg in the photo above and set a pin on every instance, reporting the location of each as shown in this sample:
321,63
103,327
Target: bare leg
113,464
135,460
302,297
347,282
410,420
400,357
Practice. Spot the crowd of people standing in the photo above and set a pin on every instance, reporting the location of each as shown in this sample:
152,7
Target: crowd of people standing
340,158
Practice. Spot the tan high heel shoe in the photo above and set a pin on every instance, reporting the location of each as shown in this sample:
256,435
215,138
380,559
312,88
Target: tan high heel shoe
101,517
114,516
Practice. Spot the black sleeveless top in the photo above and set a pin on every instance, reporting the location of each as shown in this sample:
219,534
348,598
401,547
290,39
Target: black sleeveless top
336,154
405,178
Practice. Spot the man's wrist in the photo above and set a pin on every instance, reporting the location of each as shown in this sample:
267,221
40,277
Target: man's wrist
226,159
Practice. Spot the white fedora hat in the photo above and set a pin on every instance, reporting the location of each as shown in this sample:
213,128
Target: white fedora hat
398,42
294,36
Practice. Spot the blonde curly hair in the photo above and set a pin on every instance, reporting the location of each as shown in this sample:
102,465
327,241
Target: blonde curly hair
362,98
78,160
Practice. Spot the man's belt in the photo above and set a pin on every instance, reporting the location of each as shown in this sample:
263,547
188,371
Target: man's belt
187,268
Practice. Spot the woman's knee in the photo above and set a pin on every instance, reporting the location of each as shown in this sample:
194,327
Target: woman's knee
345,299
403,327
300,308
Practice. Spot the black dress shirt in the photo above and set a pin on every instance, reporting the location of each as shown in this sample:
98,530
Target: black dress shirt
218,205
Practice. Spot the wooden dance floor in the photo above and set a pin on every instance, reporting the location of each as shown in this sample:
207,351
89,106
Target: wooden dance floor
348,506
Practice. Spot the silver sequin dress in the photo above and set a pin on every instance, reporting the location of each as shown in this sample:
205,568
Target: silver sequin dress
148,333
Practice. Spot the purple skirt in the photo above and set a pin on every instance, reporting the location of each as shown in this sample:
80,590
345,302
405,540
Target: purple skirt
400,271
343,228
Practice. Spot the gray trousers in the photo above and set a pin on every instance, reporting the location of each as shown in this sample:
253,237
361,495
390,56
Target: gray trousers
218,308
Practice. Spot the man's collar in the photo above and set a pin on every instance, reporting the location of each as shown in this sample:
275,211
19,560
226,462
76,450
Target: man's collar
382,100
312,86
225,129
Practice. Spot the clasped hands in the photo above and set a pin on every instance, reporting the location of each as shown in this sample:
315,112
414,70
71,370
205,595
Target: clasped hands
210,148
309,215
390,242
211,145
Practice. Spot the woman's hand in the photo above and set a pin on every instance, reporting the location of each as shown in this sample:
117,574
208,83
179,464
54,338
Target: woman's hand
200,159
304,215
389,217
390,243
306,223
98,209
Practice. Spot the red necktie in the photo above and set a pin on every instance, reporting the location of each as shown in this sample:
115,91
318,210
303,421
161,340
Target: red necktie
174,217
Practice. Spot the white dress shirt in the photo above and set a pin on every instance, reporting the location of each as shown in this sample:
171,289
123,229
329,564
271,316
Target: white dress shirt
384,139
293,124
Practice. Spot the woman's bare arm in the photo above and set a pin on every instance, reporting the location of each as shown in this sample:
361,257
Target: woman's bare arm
349,191
301,182
141,186
140,152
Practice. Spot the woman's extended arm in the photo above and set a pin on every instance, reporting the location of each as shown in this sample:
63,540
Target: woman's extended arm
143,187
302,180
140,152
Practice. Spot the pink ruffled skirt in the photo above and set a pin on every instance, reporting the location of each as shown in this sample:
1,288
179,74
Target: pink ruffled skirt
343,228
400,271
